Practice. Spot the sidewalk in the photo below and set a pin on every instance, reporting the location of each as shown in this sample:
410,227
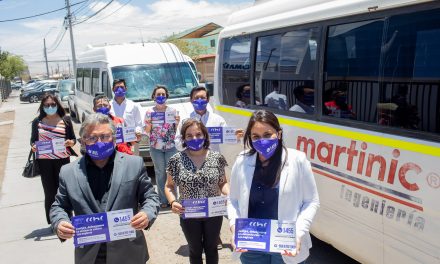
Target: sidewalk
24,234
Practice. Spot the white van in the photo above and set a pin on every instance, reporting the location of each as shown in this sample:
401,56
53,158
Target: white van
142,66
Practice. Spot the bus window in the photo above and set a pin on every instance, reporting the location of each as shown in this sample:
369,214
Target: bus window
285,69
87,81
411,58
235,70
79,79
106,85
95,82
352,70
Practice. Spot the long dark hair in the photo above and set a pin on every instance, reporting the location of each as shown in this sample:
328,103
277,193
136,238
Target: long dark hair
275,162
60,109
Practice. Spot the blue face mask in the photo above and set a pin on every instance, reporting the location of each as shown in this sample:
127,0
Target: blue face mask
195,144
200,104
247,94
50,110
266,146
103,110
309,99
120,91
160,99
100,150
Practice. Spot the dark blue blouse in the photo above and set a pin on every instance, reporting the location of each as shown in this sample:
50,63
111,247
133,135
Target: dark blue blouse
263,198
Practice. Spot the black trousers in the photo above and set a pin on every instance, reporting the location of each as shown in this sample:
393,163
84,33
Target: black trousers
202,235
50,172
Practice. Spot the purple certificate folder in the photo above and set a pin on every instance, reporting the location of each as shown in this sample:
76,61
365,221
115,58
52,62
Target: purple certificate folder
90,229
44,147
195,208
215,135
252,234
157,118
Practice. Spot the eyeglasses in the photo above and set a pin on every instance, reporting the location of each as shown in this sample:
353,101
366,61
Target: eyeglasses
94,139
50,105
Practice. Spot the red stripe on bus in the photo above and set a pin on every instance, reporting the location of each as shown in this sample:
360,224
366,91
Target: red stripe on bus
369,190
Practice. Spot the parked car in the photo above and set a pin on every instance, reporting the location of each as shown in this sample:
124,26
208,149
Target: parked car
37,84
65,88
35,95
15,86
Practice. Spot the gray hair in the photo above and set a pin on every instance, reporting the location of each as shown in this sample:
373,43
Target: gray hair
96,119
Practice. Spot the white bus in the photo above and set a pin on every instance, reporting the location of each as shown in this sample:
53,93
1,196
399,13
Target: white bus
142,66
371,73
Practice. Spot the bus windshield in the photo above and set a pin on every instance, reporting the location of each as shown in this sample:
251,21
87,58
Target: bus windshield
141,79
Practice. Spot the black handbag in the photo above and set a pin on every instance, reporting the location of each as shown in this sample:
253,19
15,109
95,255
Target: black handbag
31,169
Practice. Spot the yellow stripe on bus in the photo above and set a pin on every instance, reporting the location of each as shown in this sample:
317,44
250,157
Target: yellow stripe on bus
389,142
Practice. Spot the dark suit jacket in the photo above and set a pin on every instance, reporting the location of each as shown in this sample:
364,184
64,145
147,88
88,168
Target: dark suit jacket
130,188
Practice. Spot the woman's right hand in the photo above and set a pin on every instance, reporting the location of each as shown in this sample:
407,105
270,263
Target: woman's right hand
34,148
148,125
234,248
177,208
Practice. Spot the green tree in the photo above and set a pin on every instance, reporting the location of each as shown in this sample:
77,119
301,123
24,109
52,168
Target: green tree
191,48
11,65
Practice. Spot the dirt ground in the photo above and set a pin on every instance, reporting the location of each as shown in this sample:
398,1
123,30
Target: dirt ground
5,136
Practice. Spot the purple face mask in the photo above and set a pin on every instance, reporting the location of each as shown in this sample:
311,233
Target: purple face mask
160,99
266,146
200,104
100,150
120,91
195,144
103,110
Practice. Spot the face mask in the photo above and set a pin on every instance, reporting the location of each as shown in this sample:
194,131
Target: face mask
100,150
50,110
200,104
309,99
119,91
103,110
266,146
247,94
195,144
160,99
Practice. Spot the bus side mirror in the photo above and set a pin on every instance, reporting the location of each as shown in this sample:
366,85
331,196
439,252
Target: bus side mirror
210,87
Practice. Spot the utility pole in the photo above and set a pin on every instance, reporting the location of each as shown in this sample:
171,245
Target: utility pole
45,58
72,43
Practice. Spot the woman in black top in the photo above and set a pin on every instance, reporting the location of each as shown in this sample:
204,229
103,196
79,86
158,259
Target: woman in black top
198,172
52,124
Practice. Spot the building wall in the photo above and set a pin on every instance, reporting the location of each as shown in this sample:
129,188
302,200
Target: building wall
206,69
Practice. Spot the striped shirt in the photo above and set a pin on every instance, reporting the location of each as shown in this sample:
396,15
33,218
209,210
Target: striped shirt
47,132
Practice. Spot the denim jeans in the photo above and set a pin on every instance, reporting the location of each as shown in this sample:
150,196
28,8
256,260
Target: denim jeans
255,257
160,160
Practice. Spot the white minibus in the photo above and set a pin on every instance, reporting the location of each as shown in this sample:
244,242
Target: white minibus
355,85
142,66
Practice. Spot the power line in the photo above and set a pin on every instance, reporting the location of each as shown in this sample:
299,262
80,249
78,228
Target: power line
41,14
77,11
97,12
111,12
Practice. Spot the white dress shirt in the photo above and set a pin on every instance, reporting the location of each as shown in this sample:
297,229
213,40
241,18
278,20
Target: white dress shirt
209,119
298,198
129,111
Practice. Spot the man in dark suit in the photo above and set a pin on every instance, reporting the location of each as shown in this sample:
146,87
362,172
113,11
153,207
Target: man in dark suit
105,180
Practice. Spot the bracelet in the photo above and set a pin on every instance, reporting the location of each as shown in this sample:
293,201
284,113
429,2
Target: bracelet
171,204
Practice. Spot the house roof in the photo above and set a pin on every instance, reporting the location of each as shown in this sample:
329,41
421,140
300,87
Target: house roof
198,32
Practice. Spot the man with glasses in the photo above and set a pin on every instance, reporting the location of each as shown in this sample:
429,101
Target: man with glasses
126,109
105,180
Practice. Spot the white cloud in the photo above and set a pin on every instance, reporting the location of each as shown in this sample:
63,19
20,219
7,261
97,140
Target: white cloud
118,24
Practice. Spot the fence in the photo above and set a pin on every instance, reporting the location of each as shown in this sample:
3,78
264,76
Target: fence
5,88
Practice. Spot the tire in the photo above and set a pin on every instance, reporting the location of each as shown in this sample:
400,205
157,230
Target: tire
72,113
33,99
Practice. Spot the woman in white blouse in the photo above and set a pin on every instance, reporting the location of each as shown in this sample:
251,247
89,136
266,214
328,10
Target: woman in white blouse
270,181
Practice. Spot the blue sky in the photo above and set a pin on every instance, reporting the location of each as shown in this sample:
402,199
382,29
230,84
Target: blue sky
122,21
